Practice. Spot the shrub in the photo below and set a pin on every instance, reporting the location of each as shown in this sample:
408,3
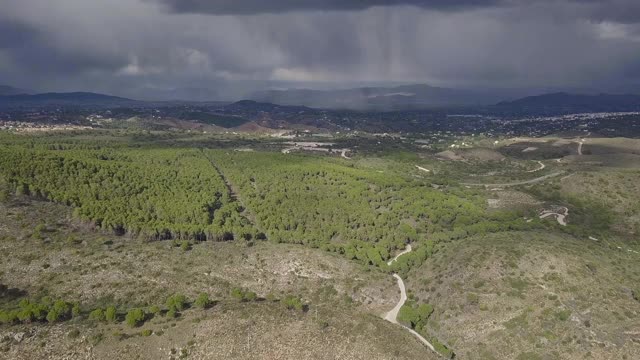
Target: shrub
203,301
146,332
111,315
75,310
32,311
292,302
415,316
4,190
563,315
243,295
97,315
155,309
135,317
185,245
37,232
442,349
250,296
177,302
8,317
54,316
407,316
237,293
63,308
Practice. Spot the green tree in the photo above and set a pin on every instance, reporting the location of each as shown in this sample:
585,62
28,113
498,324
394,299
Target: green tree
97,315
237,294
292,302
203,301
176,302
75,310
111,314
250,296
135,317
155,310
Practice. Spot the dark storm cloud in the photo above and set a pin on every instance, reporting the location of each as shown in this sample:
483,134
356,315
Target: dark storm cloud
32,48
623,11
15,34
229,7
122,46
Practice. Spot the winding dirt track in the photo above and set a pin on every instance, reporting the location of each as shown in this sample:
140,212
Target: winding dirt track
407,250
541,167
532,181
392,316
560,217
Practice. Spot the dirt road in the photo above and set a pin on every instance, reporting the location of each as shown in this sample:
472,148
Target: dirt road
407,250
516,183
560,216
392,316
541,167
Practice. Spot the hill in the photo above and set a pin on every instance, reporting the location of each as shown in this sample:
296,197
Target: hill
67,99
525,295
399,97
10,90
567,103
255,107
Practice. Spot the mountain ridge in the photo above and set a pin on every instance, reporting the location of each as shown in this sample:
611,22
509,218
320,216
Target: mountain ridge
377,98
569,102
6,90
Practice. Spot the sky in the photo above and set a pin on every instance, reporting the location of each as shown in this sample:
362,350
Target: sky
147,48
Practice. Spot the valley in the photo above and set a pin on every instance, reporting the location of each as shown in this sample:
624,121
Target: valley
306,242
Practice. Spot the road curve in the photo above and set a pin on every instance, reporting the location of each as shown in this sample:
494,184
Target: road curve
541,167
392,316
560,217
406,250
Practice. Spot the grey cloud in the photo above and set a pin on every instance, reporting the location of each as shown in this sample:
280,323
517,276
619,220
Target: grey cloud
16,34
623,11
235,7
126,46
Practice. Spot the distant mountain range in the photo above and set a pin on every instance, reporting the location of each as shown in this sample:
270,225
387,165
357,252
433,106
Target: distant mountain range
10,90
409,97
255,107
187,94
65,99
382,98
572,103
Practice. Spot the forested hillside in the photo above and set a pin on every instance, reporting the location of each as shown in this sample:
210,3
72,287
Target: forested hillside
180,193
364,214
156,193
